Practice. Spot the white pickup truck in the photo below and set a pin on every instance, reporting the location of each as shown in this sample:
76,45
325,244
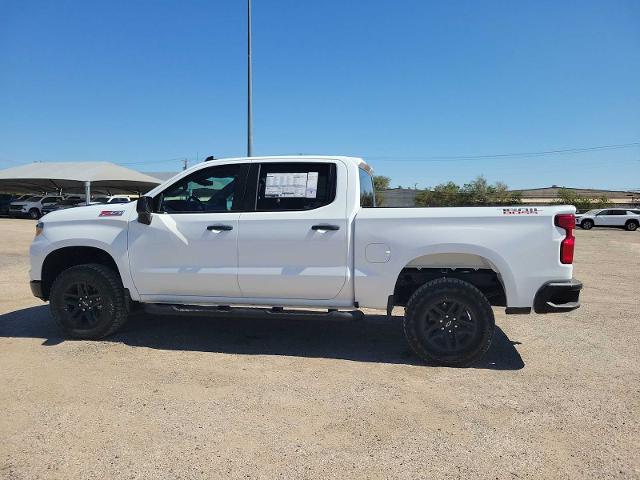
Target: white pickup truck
276,233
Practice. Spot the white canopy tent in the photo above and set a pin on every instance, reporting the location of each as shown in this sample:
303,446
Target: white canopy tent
75,177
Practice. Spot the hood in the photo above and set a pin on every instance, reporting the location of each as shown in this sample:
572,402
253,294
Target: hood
97,213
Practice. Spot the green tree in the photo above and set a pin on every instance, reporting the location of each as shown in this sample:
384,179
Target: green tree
380,183
569,197
477,192
443,195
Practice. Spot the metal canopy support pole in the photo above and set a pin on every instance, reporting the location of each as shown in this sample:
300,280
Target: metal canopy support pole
249,89
87,193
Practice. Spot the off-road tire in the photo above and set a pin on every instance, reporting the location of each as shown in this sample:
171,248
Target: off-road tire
418,318
105,285
631,226
586,224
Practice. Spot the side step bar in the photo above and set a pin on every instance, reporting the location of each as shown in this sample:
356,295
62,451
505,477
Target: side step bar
221,311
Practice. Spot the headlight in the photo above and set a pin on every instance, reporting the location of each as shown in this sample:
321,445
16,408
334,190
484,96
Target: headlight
39,228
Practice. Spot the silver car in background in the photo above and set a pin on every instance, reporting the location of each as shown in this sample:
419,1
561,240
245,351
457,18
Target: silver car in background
627,218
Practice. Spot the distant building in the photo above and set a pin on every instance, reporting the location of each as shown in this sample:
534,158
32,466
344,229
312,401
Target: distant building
398,197
405,197
551,194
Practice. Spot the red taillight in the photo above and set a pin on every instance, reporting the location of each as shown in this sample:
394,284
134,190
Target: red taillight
567,221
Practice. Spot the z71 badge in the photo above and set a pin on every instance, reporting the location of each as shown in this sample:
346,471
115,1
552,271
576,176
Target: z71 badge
111,213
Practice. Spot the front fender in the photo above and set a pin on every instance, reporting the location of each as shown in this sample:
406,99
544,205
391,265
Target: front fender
107,234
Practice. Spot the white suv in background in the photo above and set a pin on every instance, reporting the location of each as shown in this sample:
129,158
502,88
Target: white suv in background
113,199
32,206
610,217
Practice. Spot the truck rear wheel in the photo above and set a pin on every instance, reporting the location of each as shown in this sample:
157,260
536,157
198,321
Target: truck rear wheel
88,301
449,322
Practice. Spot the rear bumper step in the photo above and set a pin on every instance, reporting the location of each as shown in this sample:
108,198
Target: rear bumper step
248,312
558,296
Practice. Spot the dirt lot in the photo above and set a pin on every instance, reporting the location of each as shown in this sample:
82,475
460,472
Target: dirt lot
557,395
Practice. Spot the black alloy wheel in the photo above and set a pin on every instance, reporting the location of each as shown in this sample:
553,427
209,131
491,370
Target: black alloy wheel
88,301
84,306
449,322
448,327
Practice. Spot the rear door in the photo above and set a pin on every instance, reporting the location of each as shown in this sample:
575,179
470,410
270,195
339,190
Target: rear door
614,218
293,245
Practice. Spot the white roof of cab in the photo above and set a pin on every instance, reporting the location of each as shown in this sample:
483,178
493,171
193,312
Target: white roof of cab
360,163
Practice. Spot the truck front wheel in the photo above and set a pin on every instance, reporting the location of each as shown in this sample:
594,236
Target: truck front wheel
88,301
449,322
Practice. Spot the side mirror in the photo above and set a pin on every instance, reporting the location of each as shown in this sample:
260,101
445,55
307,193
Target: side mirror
144,207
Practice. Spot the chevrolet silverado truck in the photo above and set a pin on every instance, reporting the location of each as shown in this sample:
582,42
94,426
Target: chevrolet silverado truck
280,234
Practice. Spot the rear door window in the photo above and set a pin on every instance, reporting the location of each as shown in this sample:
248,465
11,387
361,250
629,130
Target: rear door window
367,192
295,186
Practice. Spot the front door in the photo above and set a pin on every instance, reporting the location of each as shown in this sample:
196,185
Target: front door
294,245
190,248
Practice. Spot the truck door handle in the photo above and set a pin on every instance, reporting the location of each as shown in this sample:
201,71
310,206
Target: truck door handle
220,227
325,227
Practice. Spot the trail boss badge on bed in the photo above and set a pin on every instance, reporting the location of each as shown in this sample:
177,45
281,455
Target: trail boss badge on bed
111,213
521,211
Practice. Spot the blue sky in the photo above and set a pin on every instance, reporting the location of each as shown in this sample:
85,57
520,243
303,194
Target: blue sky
144,83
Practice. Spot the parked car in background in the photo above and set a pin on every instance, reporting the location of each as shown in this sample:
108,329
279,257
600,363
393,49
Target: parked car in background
8,199
5,201
32,206
626,218
113,199
68,202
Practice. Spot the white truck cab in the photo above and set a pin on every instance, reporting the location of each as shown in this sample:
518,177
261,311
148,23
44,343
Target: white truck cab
280,232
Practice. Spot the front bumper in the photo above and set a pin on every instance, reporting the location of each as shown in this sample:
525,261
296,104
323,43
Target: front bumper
558,296
18,213
36,289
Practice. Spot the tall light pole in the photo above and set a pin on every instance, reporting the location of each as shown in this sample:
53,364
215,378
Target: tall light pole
249,92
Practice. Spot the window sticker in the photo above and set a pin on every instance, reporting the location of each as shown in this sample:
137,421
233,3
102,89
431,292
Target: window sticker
291,185
312,185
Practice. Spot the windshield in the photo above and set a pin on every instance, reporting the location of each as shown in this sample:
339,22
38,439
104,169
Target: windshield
34,199
591,212
101,199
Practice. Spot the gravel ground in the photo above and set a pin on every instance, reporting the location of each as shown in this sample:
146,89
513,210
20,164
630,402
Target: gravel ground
556,397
